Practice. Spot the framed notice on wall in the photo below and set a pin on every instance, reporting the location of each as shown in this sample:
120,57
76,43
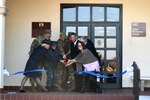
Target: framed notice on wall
138,29
39,28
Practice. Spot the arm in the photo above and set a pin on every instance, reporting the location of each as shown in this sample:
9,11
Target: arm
68,53
70,62
60,48
51,57
34,44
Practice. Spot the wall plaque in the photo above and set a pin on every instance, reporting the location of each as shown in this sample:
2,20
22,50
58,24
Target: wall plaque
138,29
39,28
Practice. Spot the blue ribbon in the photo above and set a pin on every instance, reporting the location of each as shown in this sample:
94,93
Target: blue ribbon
30,71
77,72
102,76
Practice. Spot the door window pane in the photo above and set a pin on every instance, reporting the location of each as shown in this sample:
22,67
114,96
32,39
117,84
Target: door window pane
111,54
110,43
98,13
70,29
111,31
83,31
99,31
112,14
99,43
69,14
111,66
101,53
84,14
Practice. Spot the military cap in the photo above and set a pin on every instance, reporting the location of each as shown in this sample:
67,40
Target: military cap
54,43
45,41
62,34
48,31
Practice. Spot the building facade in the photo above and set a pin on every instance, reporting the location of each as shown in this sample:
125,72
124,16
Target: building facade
116,16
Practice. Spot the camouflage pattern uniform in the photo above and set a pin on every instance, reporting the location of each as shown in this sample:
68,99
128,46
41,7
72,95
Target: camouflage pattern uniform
64,74
36,42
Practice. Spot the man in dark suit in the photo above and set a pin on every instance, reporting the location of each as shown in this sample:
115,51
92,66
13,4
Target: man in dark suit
74,49
73,53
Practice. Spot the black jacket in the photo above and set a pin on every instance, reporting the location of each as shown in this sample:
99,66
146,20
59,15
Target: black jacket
39,54
74,50
91,47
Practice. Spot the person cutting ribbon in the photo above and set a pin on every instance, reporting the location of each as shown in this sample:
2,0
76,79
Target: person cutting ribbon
39,53
90,63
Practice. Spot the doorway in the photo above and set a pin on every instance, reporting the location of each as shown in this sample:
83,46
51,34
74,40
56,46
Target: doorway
102,24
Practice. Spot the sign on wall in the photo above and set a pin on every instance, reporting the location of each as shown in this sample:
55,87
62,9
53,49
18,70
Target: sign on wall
138,29
39,28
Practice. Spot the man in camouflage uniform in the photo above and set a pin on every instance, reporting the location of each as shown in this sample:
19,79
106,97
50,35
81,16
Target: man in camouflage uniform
36,42
64,73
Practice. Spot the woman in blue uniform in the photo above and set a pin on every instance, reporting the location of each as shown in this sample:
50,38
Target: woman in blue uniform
39,54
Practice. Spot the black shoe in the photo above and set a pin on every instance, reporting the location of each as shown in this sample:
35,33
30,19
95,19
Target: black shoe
99,90
82,91
52,89
74,90
45,91
22,91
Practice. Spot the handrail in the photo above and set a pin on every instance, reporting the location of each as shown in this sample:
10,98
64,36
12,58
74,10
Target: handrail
136,81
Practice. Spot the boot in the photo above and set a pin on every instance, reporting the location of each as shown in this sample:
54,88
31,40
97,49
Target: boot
60,87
